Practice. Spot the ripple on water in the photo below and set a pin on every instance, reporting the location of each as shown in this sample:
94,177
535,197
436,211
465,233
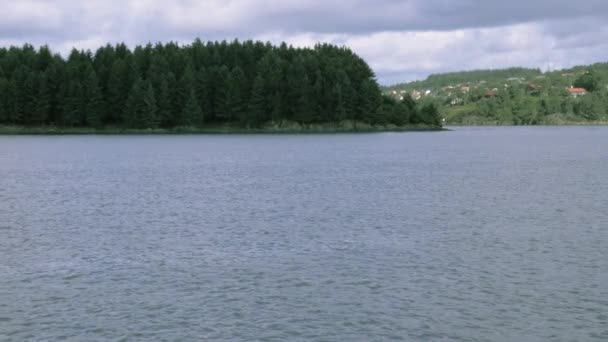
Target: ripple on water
469,235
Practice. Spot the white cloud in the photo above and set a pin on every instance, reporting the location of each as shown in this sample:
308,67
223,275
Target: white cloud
400,39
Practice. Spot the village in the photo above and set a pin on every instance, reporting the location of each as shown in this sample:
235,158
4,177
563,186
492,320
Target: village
460,93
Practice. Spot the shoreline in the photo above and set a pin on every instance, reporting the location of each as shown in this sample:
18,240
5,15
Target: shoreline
571,124
220,130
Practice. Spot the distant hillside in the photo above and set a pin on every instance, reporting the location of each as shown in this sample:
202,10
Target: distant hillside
517,96
440,80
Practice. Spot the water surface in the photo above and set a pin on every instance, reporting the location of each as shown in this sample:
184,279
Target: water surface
478,234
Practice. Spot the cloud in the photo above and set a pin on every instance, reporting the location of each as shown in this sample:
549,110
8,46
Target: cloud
401,39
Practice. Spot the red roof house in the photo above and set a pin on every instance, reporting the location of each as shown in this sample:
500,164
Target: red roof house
577,91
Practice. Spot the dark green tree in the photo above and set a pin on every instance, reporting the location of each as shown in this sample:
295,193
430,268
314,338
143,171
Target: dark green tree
135,106
236,94
95,105
43,101
257,104
192,114
149,115
589,80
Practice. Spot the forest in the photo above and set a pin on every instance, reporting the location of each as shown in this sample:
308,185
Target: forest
166,85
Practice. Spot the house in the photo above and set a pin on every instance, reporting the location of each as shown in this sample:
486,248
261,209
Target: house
516,79
576,92
490,93
533,89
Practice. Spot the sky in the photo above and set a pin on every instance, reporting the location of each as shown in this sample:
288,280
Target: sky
401,40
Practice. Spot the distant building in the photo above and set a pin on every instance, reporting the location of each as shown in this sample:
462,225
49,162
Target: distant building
533,89
576,92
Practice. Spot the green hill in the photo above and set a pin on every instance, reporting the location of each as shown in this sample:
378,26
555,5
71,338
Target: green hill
514,96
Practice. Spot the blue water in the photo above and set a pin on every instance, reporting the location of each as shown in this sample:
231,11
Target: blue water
476,234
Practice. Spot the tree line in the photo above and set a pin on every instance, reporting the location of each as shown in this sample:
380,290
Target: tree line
169,85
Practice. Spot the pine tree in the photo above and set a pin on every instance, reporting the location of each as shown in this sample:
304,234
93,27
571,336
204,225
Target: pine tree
42,100
118,91
370,101
339,107
94,100
221,99
186,84
202,90
25,94
134,107
257,104
3,99
149,117
175,99
192,114
317,96
73,107
164,105
236,93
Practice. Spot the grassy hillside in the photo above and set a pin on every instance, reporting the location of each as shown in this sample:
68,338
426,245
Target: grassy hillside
514,96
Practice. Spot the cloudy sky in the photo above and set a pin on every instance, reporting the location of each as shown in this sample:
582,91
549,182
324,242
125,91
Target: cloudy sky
401,39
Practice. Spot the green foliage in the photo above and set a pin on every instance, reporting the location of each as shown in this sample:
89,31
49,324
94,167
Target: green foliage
214,83
163,101
192,114
589,80
513,96
149,117
236,92
94,101
135,106
257,104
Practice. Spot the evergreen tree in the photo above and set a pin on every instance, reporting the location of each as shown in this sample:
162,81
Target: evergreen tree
135,106
94,101
149,115
192,114
10,102
187,83
4,116
236,91
304,106
222,110
202,90
42,100
257,104
73,107
119,87
371,100
165,116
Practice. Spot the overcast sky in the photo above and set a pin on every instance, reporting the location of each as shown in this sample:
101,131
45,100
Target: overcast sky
401,39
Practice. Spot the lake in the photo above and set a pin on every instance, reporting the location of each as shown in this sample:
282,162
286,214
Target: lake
474,234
